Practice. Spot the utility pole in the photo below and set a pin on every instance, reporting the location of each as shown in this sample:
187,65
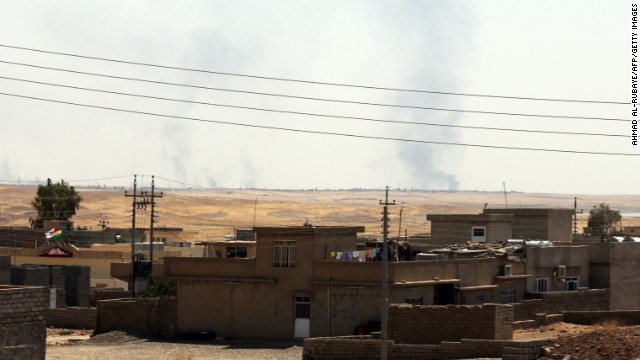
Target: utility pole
504,188
153,220
399,232
132,287
103,224
575,217
385,272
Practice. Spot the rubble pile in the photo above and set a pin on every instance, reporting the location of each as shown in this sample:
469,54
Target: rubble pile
606,343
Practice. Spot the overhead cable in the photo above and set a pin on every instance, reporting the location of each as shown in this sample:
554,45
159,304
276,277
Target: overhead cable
309,113
306,81
319,132
414,107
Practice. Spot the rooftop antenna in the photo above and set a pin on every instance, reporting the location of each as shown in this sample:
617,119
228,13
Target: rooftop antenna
504,188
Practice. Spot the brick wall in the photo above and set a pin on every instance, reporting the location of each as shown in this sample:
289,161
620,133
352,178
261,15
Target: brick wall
22,326
557,302
72,317
5,270
77,285
30,275
98,294
153,317
410,324
365,347
71,281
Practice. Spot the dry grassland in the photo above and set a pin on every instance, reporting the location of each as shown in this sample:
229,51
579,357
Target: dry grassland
216,213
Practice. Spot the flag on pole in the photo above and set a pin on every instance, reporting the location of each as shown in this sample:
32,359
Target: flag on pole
53,233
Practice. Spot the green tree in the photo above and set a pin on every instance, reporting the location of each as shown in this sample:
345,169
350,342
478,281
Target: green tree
57,201
602,219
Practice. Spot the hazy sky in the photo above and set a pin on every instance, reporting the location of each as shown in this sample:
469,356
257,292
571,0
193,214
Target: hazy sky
541,49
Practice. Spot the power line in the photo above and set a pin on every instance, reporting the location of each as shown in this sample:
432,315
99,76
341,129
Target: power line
321,132
307,81
308,113
315,98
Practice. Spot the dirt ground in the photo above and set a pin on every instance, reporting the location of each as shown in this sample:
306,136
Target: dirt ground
65,344
602,341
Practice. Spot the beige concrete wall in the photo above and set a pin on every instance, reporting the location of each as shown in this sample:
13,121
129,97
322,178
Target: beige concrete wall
234,309
456,229
338,309
541,263
625,276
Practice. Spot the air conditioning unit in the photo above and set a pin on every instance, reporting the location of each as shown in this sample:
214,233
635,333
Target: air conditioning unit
507,270
560,271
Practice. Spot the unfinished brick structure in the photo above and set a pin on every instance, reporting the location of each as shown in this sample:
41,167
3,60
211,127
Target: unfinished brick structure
153,317
407,323
72,317
22,325
70,281
434,332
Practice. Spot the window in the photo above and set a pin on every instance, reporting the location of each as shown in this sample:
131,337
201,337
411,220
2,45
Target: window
303,307
414,300
572,283
480,299
284,253
541,284
236,252
478,234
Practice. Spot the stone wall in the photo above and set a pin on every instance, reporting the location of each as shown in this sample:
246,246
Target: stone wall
151,317
410,324
72,317
366,347
557,302
22,326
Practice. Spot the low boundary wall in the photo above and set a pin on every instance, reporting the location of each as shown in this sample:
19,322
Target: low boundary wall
72,317
366,347
148,316
558,301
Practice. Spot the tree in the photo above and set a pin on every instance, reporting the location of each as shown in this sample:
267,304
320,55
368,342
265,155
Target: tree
603,219
57,201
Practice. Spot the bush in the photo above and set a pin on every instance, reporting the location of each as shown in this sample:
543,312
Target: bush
160,290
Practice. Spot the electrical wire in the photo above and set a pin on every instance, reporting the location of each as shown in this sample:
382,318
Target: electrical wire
320,132
305,81
321,99
309,113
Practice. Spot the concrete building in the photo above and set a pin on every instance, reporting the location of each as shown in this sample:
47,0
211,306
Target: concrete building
557,268
296,287
616,266
499,225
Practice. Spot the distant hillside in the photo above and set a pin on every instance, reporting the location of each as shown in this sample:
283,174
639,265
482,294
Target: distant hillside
215,213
